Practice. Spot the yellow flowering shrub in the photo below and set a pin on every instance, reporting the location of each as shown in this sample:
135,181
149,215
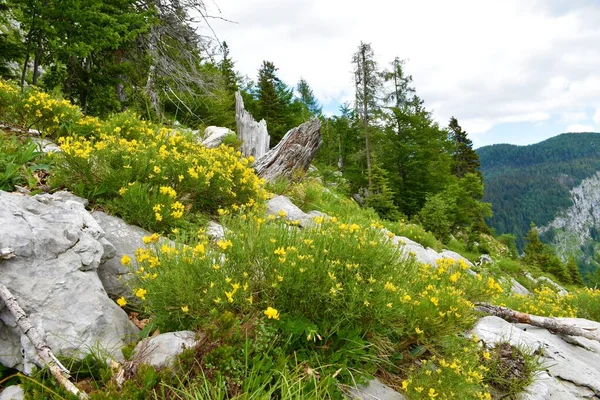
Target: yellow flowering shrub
336,288
33,108
155,177
545,302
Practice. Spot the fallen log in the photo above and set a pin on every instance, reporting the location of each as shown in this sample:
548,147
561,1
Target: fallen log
60,373
552,324
295,152
254,135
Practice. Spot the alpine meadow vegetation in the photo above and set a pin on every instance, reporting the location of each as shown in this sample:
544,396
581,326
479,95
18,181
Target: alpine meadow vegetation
280,311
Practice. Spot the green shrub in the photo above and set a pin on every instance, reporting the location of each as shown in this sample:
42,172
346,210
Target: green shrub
333,293
19,158
155,178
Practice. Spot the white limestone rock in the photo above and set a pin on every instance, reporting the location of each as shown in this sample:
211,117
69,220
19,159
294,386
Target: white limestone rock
14,392
375,390
161,350
58,247
572,364
214,135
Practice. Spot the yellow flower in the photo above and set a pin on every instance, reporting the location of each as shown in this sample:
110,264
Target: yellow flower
224,244
281,213
185,309
126,260
141,293
122,191
432,393
121,301
419,389
419,331
486,355
389,287
156,169
270,312
151,239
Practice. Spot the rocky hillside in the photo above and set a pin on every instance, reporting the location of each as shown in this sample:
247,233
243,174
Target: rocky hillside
541,182
139,261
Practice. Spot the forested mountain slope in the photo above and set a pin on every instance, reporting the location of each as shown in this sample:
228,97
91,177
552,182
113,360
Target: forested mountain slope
531,183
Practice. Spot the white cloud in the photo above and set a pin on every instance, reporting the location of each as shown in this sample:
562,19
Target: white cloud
464,60
578,128
574,116
597,117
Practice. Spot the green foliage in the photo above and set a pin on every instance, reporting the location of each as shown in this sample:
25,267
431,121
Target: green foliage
532,183
466,160
307,98
457,209
380,197
543,257
155,177
18,159
275,103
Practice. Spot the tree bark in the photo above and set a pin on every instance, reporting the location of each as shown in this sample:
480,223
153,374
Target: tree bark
552,324
254,135
295,152
37,61
60,373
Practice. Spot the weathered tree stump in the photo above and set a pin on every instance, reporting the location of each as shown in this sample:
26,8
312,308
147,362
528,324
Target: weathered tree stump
254,135
295,152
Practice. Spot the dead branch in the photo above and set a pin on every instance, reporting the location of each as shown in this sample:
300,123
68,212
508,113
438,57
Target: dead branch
552,324
60,373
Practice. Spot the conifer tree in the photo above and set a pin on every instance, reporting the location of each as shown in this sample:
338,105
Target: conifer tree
574,272
227,71
367,84
465,158
533,246
307,97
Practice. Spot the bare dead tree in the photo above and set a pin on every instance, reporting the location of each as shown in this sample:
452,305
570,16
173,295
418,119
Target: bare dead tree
552,324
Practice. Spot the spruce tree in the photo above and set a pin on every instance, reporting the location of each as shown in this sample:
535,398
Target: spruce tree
226,67
465,158
307,98
534,247
574,272
367,84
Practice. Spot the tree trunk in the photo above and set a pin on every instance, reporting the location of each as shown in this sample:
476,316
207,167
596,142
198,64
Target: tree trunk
26,62
294,152
552,324
254,135
37,61
60,373
366,120
150,82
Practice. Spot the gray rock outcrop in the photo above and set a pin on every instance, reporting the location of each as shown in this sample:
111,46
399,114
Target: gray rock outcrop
375,390
279,204
58,247
15,392
572,364
214,135
125,240
160,351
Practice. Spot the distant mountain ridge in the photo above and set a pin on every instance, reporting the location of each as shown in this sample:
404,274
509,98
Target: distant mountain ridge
533,183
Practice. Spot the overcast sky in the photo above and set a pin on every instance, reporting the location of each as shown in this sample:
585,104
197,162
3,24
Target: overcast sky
511,71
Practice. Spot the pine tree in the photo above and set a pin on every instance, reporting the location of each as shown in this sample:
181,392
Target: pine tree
307,98
574,272
465,158
534,247
367,86
227,71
